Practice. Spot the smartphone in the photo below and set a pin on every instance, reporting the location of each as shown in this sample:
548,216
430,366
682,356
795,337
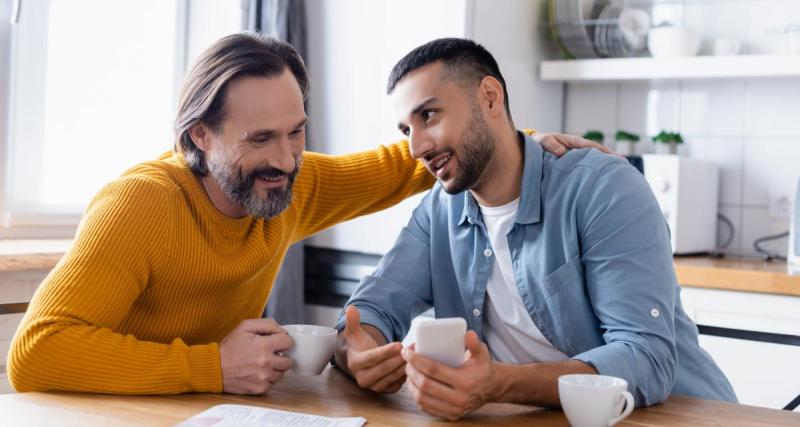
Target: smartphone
442,340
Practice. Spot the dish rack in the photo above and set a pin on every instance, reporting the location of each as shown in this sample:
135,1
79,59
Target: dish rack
599,28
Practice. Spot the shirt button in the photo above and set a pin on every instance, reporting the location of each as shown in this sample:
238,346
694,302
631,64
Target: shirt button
654,312
476,312
487,252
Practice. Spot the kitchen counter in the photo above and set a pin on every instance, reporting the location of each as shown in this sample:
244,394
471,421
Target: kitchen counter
737,274
24,255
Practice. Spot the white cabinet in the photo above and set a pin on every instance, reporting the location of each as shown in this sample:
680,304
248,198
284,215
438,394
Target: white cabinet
762,374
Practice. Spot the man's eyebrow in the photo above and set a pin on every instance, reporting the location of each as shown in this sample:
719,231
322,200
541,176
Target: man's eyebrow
422,105
261,133
301,123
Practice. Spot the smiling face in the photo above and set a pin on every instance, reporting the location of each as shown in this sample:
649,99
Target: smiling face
445,126
255,155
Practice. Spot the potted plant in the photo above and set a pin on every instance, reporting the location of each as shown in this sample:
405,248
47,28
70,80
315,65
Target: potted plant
594,135
667,142
625,143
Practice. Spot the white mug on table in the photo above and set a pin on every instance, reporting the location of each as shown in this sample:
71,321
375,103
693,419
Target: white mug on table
313,348
594,400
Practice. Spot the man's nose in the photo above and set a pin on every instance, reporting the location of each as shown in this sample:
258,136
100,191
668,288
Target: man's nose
419,143
284,158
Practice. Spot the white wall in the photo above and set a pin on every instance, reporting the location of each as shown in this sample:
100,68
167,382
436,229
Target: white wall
352,47
749,127
208,21
515,32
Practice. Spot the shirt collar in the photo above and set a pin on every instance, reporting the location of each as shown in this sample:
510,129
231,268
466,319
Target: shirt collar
530,203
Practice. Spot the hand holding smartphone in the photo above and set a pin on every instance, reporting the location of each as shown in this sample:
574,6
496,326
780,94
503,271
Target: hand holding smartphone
442,340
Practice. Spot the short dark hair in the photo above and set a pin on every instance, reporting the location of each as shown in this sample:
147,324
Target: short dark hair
464,61
202,96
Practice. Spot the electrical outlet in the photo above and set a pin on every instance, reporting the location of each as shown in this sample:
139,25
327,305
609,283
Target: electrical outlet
780,205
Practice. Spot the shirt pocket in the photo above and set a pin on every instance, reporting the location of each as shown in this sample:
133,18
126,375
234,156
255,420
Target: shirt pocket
569,275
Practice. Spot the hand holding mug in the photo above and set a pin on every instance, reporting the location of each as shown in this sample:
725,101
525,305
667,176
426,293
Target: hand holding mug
251,356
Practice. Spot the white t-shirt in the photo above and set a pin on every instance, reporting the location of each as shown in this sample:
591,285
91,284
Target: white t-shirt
509,330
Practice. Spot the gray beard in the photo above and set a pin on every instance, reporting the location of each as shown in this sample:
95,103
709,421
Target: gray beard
240,190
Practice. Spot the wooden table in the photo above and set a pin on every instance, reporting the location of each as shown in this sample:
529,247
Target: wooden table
332,394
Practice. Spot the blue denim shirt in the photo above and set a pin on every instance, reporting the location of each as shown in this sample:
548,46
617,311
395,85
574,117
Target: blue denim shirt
591,256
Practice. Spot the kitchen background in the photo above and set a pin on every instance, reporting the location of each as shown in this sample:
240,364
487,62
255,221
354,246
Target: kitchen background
748,126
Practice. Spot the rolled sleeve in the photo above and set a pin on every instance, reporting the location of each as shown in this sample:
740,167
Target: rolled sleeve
400,287
648,371
630,282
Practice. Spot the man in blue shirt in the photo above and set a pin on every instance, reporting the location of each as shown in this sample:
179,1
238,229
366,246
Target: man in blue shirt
559,265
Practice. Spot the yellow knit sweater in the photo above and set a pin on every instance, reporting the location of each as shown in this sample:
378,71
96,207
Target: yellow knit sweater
157,276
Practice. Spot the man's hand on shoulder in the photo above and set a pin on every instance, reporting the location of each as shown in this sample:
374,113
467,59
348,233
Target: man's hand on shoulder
558,144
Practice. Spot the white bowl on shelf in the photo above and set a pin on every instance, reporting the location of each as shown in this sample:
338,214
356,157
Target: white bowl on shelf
673,42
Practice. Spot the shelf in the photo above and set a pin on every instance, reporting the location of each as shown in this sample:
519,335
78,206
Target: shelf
697,67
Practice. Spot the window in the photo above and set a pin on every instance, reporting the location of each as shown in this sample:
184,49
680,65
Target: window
92,91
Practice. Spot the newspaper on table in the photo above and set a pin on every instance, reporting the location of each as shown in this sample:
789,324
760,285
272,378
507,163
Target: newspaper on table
247,416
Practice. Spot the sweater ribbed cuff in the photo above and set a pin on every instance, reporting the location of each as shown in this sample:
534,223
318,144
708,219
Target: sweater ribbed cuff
205,371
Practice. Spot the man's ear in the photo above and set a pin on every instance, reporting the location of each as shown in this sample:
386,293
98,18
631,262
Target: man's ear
201,135
491,92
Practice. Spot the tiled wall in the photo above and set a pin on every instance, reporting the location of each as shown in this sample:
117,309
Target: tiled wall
749,127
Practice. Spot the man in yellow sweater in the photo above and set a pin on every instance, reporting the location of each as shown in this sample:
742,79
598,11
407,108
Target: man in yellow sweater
174,260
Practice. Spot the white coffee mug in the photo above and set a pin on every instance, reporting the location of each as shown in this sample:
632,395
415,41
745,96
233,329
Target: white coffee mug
673,42
313,348
594,400
721,46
